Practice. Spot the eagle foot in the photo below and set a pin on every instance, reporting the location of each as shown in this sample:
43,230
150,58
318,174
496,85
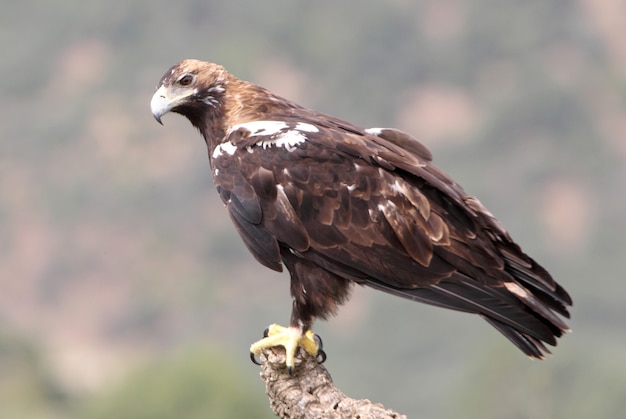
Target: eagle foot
290,338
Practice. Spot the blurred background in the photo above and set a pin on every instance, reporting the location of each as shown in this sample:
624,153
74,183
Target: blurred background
124,290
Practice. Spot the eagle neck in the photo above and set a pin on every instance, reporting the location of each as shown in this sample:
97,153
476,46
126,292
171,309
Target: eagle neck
212,128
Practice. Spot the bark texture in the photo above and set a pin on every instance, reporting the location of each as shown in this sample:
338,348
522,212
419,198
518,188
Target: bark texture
310,393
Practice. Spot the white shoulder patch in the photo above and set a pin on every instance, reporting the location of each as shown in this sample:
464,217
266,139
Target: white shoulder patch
224,148
261,127
276,134
374,131
289,140
303,126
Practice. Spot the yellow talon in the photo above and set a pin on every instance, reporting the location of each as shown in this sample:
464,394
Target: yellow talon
289,338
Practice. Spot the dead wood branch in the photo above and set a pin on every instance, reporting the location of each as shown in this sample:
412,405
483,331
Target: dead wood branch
310,393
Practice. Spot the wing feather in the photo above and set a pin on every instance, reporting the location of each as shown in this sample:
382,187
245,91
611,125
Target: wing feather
371,207
260,242
282,220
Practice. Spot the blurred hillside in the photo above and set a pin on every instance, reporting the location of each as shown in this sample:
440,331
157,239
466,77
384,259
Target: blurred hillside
119,266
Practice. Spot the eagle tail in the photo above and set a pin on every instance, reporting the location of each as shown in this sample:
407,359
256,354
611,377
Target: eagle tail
530,346
527,319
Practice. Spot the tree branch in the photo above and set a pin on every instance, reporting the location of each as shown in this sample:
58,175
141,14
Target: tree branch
310,393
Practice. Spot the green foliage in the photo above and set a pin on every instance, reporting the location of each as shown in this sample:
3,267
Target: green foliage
192,385
28,389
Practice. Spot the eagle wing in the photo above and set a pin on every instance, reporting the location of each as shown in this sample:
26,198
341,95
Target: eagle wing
369,206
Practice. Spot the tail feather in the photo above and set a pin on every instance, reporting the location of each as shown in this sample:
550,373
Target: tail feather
492,303
530,346
528,319
554,296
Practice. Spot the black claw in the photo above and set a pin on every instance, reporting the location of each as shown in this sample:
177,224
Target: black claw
253,359
290,371
318,340
321,356
266,332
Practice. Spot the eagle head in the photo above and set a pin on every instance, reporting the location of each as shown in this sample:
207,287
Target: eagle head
191,88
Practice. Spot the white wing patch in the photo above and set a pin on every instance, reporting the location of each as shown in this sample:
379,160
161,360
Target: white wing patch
374,131
276,134
224,148
272,133
303,126
261,127
288,140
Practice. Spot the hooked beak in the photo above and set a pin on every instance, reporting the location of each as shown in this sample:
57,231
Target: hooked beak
160,104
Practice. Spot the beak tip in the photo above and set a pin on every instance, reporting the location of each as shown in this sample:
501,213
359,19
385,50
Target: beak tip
160,104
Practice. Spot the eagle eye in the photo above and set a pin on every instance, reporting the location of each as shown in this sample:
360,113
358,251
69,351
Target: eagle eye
185,80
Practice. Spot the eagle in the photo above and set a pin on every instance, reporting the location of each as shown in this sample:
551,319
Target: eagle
337,204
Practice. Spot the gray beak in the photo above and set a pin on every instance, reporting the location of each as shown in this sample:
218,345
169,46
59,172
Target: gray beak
160,104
